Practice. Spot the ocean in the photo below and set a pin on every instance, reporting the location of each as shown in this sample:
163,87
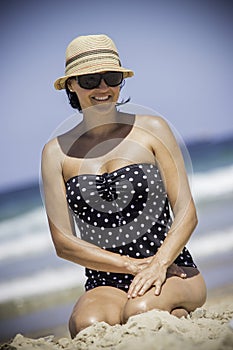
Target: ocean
28,262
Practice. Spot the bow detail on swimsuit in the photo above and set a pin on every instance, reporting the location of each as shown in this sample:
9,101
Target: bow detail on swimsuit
106,186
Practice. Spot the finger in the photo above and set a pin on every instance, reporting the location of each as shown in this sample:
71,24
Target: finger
158,288
145,287
181,273
136,284
176,271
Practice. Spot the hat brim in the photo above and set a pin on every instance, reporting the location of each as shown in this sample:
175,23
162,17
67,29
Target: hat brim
59,84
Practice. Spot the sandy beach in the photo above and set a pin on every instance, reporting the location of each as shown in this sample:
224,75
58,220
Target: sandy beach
207,328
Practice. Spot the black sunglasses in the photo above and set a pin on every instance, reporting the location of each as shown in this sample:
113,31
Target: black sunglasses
92,81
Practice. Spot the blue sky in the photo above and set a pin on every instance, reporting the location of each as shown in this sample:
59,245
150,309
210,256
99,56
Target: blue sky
181,52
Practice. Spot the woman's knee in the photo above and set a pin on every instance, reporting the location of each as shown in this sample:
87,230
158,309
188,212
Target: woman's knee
135,307
78,322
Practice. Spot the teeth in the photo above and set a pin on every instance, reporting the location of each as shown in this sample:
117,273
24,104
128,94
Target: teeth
101,98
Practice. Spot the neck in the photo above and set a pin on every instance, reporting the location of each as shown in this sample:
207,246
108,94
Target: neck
100,119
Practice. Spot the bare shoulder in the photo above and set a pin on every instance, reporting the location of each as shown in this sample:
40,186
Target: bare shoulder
155,125
51,148
52,155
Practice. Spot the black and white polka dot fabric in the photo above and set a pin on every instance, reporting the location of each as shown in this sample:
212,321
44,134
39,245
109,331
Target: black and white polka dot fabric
126,212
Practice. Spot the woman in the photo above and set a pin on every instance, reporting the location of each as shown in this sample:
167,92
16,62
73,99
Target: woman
121,178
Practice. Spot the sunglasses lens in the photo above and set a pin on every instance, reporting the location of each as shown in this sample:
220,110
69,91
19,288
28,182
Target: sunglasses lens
92,81
113,78
89,81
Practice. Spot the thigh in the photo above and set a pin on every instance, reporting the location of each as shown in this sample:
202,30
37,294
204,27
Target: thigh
99,304
176,293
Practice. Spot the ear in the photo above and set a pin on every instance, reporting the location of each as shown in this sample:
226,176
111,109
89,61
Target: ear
69,85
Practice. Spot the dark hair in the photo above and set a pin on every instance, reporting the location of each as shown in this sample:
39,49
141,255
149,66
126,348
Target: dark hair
73,98
74,101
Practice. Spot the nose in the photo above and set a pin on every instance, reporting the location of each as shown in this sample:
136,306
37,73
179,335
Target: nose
102,84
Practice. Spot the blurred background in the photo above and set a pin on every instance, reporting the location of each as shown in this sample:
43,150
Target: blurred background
182,54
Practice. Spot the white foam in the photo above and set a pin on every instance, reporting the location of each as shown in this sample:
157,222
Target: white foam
33,222
27,234
212,184
44,282
216,242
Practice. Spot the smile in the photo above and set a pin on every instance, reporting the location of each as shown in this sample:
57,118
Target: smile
102,98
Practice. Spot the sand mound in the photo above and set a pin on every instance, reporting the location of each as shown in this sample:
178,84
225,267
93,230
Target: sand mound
203,330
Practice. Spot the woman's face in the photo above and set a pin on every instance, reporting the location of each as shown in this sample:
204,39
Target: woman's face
100,95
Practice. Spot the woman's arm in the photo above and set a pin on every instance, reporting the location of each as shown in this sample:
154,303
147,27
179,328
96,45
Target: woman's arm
61,223
170,161
172,167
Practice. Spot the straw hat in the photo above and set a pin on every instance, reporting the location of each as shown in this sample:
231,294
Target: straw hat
91,54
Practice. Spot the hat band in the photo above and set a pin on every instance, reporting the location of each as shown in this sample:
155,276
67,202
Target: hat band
81,63
92,52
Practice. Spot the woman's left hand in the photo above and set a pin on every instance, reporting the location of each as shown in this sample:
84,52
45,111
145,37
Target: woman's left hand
153,275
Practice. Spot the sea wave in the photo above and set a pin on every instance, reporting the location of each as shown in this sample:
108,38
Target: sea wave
212,184
214,243
49,280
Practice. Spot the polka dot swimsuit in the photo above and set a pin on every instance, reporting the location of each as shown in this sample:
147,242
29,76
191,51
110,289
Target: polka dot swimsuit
126,212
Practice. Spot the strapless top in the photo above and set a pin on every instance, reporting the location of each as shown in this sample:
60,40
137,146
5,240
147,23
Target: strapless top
126,211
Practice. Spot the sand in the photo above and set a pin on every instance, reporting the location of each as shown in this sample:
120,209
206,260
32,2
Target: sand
207,328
